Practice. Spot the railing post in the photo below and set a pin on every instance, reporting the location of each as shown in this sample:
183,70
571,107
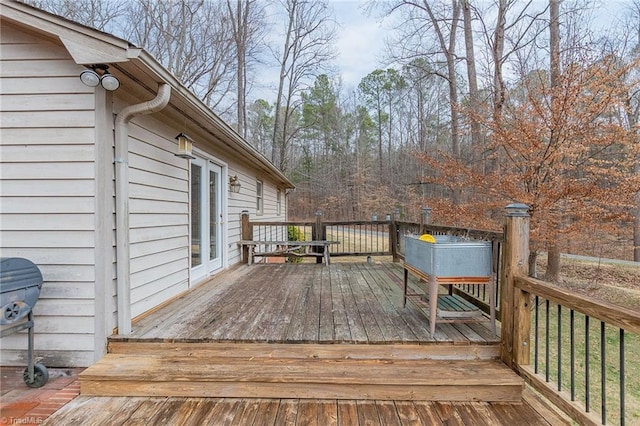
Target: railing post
425,218
246,231
393,235
318,234
515,317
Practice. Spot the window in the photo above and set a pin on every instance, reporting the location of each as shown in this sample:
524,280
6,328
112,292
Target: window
259,197
279,203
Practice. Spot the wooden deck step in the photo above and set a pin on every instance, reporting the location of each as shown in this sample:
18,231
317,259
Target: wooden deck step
307,373
435,351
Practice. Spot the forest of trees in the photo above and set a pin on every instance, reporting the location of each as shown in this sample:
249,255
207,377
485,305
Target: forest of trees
476,104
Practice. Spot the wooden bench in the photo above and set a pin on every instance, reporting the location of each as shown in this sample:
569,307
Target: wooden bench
450,308
291,249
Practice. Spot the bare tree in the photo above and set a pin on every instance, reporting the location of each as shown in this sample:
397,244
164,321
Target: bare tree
474,94
306,53
191,40
553,255
422,17
248,26
102,15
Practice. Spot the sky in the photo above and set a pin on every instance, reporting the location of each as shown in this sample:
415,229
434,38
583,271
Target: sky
361,36
360,41
359,44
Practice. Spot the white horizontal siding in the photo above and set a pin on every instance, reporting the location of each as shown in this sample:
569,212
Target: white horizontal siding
41,68
38,222
150,206
159,215
55,120
46,153
59,256
40,136
47,192
46,102
45,342
47,188
46,171
30,204
246,200
146,248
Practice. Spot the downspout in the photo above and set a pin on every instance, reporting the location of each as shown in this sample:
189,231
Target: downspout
121,161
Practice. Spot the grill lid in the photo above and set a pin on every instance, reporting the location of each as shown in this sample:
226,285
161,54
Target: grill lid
20,284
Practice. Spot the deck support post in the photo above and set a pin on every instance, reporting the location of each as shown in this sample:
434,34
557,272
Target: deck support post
515,262
319,234
425,218
393,234
247,234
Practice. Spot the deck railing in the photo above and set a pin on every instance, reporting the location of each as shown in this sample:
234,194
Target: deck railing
356,238
571,348
378,238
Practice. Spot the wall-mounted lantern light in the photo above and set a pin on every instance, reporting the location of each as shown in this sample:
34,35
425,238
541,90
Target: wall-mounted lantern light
93,78
234,184
185,145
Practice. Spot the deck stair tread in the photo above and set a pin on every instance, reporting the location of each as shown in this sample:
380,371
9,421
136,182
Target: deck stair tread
283,373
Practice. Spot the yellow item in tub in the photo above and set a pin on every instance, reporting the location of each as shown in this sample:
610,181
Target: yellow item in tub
427,237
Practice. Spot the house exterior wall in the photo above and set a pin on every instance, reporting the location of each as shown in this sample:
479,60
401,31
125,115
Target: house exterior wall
246,201
57,198
159,215
48,193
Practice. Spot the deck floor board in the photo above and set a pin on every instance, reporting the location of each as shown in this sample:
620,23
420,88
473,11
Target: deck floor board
305,303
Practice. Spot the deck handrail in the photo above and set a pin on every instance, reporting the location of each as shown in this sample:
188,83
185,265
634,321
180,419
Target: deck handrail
535,317
615,315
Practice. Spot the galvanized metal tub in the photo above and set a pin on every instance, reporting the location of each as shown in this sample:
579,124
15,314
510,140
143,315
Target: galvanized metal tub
449,256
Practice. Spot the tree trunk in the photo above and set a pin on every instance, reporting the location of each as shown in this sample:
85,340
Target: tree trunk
497,52
276,149
474,96
552,273
636,222
448,49
239,25
553,255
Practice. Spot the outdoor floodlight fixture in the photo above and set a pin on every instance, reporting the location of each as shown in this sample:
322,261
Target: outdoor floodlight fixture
234,184
92,78
185,145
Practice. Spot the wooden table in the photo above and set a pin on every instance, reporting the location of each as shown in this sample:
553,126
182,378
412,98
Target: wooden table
457,309
287,249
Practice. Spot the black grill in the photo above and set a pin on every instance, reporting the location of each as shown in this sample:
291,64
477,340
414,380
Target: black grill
20,285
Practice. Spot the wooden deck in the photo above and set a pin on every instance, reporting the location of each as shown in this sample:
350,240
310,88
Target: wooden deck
291,412
303,303
302,344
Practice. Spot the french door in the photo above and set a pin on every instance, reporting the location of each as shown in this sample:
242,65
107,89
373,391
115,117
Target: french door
206,217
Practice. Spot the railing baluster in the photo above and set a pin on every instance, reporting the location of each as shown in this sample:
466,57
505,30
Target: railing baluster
572,330
603,373
547,340
622,395
536,335
559,347
587,367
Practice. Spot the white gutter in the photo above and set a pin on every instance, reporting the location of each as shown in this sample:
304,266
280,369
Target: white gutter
122,199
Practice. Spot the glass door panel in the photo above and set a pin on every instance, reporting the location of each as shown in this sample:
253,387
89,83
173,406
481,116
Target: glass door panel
206,217
215,216
196,215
